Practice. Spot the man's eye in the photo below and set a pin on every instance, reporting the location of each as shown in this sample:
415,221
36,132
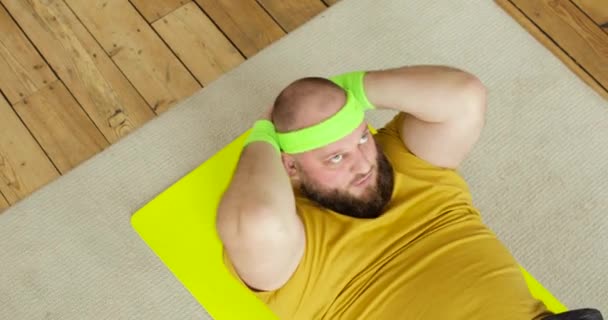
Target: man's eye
336,158
364,138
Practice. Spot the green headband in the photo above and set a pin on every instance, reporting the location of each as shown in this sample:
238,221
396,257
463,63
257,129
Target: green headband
331,130
338,126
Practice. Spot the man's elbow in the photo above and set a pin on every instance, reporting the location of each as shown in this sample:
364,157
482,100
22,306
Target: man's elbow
475,100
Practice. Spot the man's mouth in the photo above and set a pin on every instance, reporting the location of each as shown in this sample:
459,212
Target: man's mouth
364,179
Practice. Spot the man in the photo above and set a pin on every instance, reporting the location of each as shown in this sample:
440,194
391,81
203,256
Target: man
324,220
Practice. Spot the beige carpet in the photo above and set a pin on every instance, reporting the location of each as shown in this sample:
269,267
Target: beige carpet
539,173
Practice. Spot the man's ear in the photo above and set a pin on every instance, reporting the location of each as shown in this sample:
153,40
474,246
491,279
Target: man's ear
289,163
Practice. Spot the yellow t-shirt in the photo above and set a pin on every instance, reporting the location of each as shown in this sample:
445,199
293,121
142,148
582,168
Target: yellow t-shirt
429,256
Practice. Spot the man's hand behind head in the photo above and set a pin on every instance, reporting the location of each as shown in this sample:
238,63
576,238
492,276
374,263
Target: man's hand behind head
267,115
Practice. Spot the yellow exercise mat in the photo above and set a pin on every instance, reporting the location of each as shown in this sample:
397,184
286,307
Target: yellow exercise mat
179,226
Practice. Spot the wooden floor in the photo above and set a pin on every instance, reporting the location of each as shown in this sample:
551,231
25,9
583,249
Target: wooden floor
576,31
78,75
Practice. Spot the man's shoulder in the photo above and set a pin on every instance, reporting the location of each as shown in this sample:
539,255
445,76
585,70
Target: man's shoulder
409,165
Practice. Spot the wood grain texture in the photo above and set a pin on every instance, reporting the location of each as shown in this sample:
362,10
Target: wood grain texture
198,43
137,50
573,31
60,126
541,37
96,83
23,165
153,10
3,203
290,14
330,2
597,10
245,23
22,69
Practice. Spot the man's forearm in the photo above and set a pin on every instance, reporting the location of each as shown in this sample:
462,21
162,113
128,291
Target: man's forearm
429,93
259,185
257,221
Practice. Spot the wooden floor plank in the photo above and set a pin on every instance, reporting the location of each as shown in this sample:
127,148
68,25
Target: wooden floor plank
137,50
61,127
541,37
290,14
597,10
23,165
153,10
245,23
94,80
573,31
330,2
198,43
22,69
3,203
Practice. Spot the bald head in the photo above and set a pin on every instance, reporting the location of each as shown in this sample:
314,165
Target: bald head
306,102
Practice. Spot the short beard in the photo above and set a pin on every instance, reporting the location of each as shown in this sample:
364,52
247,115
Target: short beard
346,204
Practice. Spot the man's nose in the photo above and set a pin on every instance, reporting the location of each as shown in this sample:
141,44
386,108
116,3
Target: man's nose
363,164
